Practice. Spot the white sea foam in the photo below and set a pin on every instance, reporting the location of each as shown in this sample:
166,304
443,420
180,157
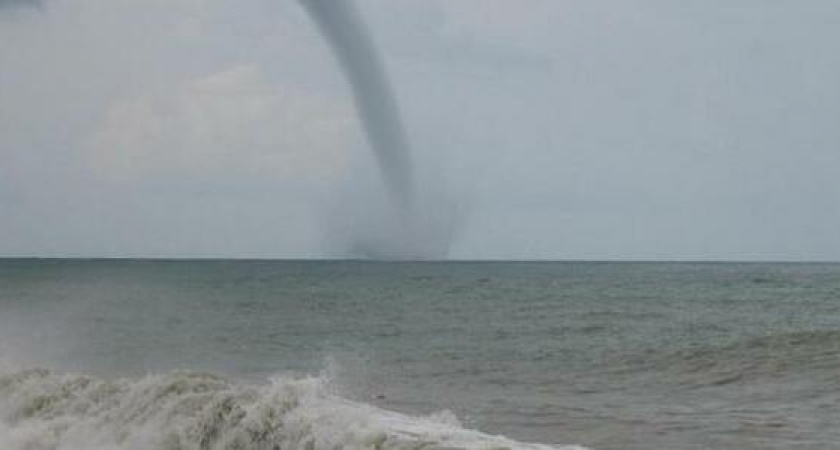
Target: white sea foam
41,410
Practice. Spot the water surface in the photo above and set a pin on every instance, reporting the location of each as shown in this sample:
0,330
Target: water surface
605,355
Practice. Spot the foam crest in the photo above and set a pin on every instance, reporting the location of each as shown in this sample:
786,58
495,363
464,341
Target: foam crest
40,410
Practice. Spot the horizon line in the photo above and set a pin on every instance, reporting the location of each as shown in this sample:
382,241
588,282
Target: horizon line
430,261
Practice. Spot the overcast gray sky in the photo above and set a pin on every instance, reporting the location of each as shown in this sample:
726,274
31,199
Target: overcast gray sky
624,129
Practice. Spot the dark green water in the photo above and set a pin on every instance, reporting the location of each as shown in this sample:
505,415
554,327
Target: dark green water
606,355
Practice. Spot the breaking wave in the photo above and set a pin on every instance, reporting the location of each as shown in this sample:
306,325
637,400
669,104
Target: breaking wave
42,410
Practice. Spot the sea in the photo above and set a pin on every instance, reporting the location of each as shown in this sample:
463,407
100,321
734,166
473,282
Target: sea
311,355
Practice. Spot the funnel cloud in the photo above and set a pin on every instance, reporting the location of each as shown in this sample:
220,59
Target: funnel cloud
342,27
410,229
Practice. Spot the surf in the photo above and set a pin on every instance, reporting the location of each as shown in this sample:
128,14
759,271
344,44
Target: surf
44,410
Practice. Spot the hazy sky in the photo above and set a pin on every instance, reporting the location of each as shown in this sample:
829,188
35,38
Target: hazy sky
623,129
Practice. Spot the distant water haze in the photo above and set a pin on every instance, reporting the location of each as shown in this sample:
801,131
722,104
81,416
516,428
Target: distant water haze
404,227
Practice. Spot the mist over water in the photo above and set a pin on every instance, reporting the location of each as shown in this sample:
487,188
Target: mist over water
405,227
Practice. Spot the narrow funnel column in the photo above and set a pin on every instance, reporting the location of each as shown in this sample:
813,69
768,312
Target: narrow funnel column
342,27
